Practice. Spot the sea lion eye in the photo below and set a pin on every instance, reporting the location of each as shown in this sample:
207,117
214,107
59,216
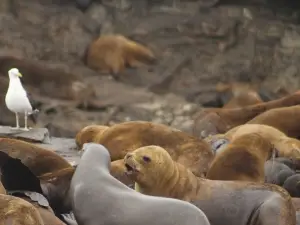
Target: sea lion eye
146,159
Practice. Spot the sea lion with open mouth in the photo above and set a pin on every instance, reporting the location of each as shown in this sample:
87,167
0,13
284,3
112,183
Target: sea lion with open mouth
223,202
99,198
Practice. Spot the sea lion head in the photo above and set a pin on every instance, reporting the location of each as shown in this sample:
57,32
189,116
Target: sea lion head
148,158
97,154
88,134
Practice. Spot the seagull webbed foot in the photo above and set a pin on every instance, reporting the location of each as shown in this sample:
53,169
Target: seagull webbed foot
26,129
15,128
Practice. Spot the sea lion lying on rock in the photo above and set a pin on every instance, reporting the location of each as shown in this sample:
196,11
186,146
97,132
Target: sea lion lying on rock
286,146
242,94
53,185
222,120
111,205
229,164
88,134
284,119
186,149
112,53
223,202
277,172
16,211
39,160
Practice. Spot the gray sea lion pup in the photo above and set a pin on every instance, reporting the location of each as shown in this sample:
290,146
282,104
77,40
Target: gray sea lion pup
99,198
292,185
277,172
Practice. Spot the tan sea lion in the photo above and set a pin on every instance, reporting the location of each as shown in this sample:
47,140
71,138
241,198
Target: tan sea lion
17,211
99,198
88,133
41,204
286,146
284,119
125,137
242,94
112,53
223,202
39,160
222,120
229,164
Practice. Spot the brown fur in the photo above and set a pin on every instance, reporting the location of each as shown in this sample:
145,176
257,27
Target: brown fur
55,186
46,213
88,133
112,53
286,147
284,119
45,79
192,152
223,120
37,159
16,211
159,175
242,94
243,159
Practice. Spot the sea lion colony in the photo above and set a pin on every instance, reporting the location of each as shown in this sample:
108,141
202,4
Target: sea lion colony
247,175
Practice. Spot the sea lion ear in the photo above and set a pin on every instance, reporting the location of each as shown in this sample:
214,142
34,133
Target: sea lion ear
147,159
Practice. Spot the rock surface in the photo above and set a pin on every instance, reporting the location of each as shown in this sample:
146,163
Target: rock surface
197,46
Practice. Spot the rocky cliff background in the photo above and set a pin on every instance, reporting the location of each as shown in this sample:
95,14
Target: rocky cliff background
198,43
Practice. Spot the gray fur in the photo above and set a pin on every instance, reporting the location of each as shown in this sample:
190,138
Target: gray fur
99,198
277,172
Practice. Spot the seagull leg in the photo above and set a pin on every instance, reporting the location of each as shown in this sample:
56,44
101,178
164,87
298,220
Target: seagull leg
17,122
25,119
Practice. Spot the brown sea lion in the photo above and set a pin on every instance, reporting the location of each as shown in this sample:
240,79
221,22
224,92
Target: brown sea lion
39,160
41,204
112,53
125,137
223,202
118,204
284,119
45,79
242,94
17,211
222,120
88,133
53,185
229,164
286,146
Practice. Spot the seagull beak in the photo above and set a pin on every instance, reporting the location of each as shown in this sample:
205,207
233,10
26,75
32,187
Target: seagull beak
20,75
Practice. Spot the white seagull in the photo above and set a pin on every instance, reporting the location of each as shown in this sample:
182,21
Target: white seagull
16,98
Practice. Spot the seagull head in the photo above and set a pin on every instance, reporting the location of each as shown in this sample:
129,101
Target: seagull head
14,73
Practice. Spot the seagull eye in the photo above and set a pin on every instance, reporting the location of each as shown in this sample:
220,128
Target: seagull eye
146,159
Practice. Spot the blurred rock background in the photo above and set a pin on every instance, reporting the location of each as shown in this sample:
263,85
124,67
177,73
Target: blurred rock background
199,43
